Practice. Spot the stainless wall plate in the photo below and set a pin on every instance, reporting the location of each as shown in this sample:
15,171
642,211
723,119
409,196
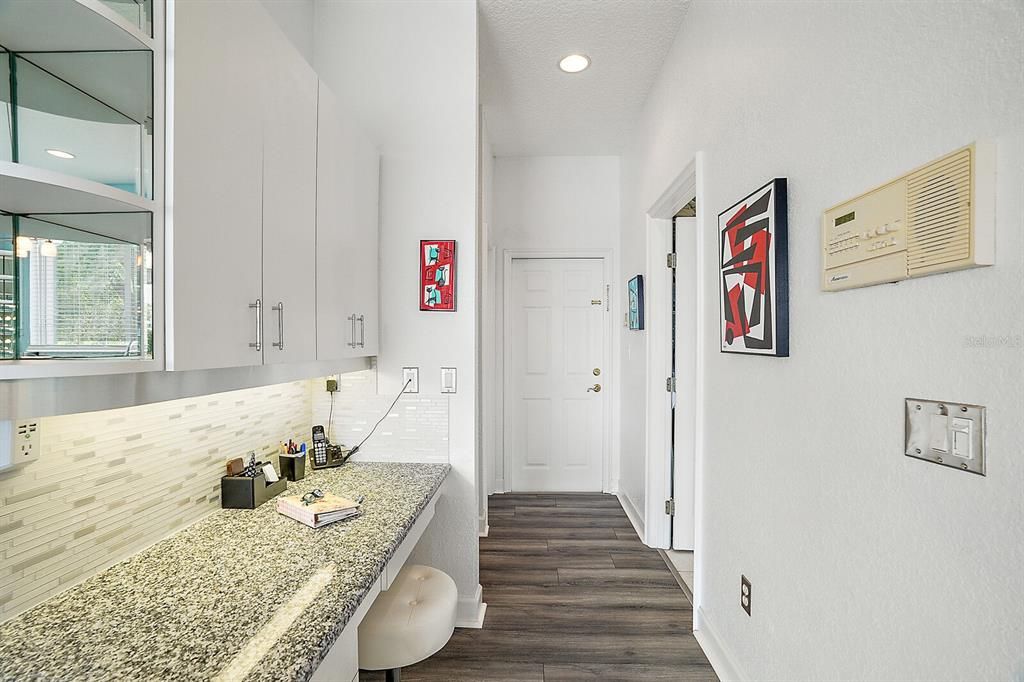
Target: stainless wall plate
947,433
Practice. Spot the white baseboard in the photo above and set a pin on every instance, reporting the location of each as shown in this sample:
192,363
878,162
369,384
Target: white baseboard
471,610
718,653
633,515
485,529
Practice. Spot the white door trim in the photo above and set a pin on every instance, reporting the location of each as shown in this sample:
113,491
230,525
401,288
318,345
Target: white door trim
504,464
657,529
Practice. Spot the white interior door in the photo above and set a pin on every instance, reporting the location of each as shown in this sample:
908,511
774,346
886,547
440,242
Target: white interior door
555,400
685,417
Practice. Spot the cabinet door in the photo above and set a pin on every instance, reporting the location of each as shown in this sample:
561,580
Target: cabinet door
214,206
365,242
346,244
289,204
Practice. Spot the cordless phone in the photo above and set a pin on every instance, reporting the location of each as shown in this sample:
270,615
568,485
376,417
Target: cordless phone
324,453
319,447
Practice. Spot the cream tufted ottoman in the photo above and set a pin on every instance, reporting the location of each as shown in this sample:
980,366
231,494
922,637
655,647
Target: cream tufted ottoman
411,621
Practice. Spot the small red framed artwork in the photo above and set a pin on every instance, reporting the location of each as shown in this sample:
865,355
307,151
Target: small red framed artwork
437,275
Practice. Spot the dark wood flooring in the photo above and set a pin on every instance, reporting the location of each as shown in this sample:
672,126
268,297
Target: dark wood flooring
572,594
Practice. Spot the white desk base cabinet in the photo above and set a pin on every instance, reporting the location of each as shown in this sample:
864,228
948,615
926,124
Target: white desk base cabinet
342,661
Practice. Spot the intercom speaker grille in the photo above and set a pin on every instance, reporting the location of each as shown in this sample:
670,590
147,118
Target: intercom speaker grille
939,214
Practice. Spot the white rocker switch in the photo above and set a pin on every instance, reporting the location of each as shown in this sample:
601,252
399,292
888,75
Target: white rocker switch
448,380
962,431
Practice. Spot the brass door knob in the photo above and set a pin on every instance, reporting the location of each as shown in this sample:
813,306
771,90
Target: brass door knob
596,388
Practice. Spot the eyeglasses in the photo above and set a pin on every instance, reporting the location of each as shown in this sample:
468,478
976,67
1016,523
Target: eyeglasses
312,496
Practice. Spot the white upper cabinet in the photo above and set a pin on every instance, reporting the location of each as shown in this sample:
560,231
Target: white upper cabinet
289,205
215,205
347,267
274,202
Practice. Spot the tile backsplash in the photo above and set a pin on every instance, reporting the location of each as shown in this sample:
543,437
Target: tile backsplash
416,431
109,483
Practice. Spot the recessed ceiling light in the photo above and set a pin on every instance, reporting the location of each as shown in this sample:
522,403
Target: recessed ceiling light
574,63
60,153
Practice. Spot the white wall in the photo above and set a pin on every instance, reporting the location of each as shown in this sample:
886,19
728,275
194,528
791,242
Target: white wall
295,19
420,103
556,203
865,564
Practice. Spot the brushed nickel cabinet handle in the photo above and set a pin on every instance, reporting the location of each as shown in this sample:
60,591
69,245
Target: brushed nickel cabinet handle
279,344
258,307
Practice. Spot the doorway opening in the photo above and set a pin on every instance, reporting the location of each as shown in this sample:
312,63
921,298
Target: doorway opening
683,366
674,345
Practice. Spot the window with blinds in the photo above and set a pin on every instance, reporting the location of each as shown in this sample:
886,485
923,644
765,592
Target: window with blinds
80,287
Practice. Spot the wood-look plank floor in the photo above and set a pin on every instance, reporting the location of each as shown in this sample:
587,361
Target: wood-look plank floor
572,594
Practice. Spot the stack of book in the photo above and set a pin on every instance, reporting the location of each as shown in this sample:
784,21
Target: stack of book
323,511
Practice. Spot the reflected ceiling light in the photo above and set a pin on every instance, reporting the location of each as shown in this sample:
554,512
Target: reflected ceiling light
23,246
60,153
48,249
574,63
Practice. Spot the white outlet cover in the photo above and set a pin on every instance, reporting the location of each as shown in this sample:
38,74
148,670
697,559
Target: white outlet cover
411,375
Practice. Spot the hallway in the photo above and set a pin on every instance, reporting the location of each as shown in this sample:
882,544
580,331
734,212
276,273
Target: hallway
572,594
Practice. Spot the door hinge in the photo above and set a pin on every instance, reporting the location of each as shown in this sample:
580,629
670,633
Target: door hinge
670,260
670,507
670,384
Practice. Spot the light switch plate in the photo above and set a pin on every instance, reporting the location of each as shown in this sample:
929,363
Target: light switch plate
950,434
411,376
448,380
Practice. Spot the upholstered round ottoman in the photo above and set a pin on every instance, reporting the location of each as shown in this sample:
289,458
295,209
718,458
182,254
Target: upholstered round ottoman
410,622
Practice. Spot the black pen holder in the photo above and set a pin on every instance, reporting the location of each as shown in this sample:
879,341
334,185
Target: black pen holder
293,467
248,492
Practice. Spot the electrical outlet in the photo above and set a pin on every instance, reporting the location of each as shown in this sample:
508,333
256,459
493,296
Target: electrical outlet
19,443
745,593
332,385
411,379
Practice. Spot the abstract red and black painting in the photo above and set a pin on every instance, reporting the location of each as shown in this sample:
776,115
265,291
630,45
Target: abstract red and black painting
754,267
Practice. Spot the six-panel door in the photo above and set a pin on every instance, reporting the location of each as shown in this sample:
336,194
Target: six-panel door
555,402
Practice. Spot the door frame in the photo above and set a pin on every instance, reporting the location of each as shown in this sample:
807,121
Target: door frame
689,183
504,465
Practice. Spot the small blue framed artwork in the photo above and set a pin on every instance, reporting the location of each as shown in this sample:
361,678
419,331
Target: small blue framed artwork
636,302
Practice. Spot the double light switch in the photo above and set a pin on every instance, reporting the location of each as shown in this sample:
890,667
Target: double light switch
951,434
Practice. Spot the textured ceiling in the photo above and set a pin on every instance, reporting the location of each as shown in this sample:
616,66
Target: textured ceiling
532,108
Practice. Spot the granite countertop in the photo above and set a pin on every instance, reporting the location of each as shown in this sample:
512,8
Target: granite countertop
240,594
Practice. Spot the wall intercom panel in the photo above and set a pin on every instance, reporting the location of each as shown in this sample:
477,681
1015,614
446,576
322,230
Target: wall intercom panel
937,218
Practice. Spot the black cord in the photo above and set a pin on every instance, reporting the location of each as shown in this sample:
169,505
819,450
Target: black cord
395,402
330,417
